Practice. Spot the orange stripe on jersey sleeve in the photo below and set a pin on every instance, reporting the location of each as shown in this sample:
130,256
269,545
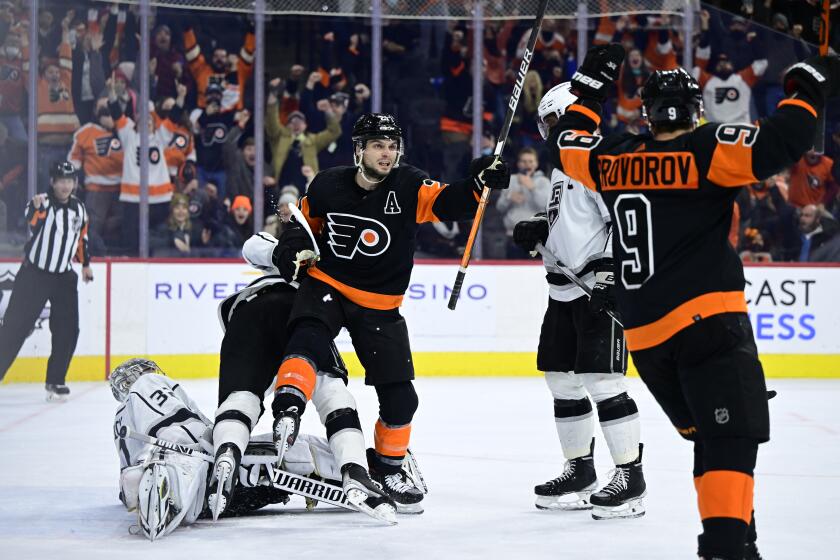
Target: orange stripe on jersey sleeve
725,494
317,224
427,194
371,300
731,165
576,108
575,163
684,315
798,103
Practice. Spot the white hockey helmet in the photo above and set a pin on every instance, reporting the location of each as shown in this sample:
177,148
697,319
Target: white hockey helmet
125,374
554,102
171,492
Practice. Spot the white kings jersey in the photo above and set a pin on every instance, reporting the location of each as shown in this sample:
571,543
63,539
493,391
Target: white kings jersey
579,235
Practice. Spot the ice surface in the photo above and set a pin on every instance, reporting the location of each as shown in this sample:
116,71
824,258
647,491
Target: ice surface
482,445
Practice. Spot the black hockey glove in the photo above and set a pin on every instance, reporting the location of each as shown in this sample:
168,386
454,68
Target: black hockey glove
294,251
816,78
491,172
603,293
598,72
527,233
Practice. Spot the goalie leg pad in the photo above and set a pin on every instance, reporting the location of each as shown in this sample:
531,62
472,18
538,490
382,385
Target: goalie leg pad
171,492
235,418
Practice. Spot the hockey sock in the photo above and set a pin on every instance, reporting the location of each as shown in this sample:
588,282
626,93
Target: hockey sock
573,420
235,418
619,418
344,433
725,496
390,444
296,380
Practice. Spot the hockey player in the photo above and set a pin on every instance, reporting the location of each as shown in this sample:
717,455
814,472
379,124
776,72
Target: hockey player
165,483
581,349
365,218
255,324
680,291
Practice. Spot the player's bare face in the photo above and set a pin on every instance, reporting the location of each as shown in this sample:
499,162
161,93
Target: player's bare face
379,158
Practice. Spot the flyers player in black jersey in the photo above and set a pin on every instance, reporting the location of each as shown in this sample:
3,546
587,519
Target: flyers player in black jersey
364,219
678,283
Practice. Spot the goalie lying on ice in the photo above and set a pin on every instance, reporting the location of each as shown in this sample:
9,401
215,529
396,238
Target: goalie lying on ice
167,487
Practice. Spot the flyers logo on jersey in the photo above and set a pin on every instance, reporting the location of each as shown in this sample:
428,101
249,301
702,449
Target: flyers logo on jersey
349,234
648,170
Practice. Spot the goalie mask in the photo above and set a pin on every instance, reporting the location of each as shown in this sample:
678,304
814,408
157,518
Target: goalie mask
171,492
554,102
125,374
375,126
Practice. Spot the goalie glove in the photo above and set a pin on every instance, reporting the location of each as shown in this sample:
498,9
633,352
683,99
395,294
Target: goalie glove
527,233
491,172
294,251
603,293
598,72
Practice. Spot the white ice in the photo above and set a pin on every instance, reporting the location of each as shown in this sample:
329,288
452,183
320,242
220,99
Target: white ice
482,445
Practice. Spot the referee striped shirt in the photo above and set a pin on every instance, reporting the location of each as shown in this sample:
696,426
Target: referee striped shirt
59,232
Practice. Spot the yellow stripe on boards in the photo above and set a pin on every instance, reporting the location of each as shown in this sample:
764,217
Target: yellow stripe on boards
426,364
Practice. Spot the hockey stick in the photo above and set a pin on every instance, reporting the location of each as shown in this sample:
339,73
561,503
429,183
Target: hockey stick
500,144
193,449
825,18
574,278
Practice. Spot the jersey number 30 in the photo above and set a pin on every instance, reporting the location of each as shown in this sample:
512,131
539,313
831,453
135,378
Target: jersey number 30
635,233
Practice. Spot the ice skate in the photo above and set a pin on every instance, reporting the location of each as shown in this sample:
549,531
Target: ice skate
57,392
363,492
398,486
285,430
751,552
570,490
622,496
223,479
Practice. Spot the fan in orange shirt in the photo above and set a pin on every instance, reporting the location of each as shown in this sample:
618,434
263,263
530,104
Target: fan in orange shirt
810,179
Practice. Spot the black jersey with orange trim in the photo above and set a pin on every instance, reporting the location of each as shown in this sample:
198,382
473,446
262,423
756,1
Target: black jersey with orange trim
671,202
367,238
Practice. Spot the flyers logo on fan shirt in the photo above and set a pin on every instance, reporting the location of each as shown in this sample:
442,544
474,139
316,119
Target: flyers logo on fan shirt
349,234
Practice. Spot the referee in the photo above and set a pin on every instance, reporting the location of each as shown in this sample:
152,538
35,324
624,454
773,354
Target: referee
59,225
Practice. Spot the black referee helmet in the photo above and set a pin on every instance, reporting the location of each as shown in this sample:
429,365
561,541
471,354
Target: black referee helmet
62,170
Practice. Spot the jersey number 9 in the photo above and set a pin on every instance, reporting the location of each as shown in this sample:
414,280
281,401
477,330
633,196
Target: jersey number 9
632,212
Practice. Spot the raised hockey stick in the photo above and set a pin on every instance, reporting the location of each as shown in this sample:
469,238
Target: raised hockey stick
574,278
825,18
500,144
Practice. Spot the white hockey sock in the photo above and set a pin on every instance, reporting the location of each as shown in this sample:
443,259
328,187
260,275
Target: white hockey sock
348,446
575,427
619,419
235,419
231,431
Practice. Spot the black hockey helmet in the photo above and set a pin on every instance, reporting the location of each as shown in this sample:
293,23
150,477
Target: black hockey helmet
62,170
672,97
371,126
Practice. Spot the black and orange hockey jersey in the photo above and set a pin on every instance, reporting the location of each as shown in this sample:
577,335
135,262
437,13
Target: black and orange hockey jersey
99,153
367,238
671,203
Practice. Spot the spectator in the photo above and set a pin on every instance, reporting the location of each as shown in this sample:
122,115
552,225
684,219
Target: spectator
727,95
815,230
339,152
633,76
811,180
160,185
528,194
217,71
12,175
240,158
169,62
124,95
174,127
456,121
292,146
784,51
286,198
178,235
57,120
98,152
88,72
239,223
13,76
212,128
764,209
